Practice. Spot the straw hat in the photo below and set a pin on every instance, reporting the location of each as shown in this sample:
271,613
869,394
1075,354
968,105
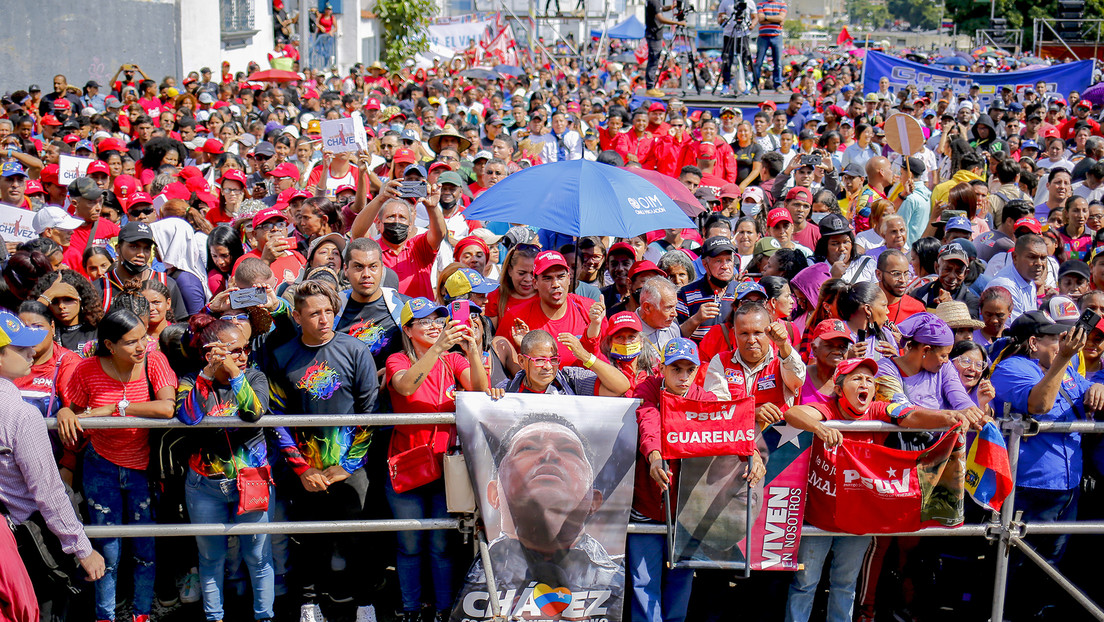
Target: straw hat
957,315
435,140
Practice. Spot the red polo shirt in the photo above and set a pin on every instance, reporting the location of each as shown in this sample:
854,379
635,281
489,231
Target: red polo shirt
413,265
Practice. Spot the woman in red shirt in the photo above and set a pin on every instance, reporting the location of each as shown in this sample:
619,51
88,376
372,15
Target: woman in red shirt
121,379
424,378
518,282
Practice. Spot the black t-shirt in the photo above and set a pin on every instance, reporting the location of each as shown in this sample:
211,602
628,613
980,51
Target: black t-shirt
371,323
745,157
652,28
80,338
337,377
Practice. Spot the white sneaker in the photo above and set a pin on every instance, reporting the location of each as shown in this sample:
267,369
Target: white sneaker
189,588
366,614
310,613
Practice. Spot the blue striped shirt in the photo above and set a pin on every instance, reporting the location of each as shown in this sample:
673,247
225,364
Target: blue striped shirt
771,8
694,295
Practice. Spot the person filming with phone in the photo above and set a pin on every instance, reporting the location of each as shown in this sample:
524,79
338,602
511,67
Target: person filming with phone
274,246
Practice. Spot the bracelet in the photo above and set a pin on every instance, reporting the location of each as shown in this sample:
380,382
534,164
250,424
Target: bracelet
590,362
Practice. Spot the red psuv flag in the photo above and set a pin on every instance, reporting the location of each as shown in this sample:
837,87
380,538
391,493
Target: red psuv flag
864,488
697,429
844,39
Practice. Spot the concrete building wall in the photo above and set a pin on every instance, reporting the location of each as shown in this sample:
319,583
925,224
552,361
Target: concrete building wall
84,40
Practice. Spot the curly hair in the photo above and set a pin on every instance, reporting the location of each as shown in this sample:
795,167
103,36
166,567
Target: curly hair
91,301
159,287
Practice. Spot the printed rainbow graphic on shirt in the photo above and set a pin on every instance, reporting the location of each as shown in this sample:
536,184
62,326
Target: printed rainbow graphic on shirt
371,334
223,409
320,381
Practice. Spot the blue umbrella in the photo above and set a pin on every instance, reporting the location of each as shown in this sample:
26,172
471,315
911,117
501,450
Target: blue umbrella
510,70
579,198
480,73
952,60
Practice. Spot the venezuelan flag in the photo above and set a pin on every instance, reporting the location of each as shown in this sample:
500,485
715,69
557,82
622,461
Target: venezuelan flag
988,475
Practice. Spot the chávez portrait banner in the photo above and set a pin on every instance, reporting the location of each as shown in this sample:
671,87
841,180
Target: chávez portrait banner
711,516
553,477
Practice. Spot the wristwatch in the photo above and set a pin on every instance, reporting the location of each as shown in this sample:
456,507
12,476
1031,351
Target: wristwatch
122,406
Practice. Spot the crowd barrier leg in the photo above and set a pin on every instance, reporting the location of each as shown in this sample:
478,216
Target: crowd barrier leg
1015,429
492,586
1095,611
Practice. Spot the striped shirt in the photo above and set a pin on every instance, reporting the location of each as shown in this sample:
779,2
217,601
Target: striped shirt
694,295
29,478
92,387
771,8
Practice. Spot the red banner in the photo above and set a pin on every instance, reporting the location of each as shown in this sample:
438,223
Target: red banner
864,488
696,429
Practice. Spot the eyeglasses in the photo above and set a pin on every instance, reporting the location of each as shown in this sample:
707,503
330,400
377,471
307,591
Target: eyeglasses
233,190
239,317
543,361
447,159
429,321
265,227
967,363
896,274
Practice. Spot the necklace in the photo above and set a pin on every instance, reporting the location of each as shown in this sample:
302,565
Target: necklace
123,403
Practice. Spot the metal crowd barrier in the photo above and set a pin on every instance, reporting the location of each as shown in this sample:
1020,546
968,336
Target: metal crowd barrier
1006,529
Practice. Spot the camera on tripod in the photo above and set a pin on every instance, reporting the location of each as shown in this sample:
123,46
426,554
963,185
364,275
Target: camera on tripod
682,7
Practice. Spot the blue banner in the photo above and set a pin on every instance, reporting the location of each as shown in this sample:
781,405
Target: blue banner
1076,76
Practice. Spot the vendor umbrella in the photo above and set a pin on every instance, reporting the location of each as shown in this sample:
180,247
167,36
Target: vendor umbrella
673,188
952,61
273,75
578,198
480,73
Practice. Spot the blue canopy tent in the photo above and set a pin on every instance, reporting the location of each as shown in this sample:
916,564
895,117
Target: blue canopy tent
631,28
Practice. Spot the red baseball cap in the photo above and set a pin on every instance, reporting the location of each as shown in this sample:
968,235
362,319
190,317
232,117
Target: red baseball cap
768,104
212,146
1031,223
189,172
371,104
799,192
99,166
833,329
196,184
847,366
707,151
642,267
139,198
547,260
623,320
404,155
233,175
730,191
267,214
777,215
50,120
177,190
62,103
71,138
110,144
124,186
286,170
623,247
439,165
49,173
657,106
338,190
33,187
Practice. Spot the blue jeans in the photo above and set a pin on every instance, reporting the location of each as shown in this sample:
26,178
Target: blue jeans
847,557
658,594
117,496
424,502
216,501
775,46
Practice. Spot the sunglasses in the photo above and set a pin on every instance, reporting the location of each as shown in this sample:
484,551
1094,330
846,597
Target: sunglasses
239,317
135,213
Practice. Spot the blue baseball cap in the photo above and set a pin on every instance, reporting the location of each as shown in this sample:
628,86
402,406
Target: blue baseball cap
1029,144
746,288
418,308
958,223
11,169
84,144
680,349
467,281
16,333
415,168
1015,107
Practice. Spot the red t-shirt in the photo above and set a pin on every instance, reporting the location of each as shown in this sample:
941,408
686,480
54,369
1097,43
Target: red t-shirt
877,412
92,387
493,299
74,255
217,216
437,393
904,308
412,264
41,377
575,322
286,267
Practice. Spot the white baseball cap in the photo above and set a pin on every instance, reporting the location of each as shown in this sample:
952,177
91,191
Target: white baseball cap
53,217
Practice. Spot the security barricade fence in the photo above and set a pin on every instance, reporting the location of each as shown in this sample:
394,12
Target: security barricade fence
1007,530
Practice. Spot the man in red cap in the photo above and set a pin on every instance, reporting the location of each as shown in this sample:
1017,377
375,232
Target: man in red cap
619,263
55,192
557,311
283,177
656,125
799,202
100,173
707,163
270,227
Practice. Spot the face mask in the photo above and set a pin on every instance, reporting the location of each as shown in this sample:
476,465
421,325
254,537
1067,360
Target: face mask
750,209
133,268
396,232
717,282
625,351
816,217
848,409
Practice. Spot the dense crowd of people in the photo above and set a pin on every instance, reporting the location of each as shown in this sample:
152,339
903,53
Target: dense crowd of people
213,260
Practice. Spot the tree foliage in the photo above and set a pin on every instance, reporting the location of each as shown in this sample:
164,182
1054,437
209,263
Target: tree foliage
405,29
793,28
867,13
970,15
919,13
